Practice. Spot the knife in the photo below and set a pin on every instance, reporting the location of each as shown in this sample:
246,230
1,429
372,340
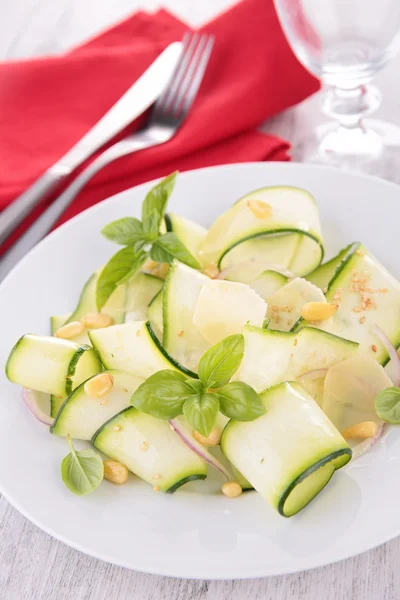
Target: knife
133,103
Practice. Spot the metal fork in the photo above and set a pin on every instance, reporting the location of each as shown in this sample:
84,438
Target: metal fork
167,116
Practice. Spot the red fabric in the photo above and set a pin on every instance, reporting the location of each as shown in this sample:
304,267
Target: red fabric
47,104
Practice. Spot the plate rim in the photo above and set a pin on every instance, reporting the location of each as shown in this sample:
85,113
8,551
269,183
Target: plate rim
249,574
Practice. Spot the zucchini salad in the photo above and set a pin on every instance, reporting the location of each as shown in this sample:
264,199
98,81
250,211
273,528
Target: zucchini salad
234,348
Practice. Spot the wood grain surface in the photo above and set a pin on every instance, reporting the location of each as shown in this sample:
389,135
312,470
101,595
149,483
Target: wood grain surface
33,565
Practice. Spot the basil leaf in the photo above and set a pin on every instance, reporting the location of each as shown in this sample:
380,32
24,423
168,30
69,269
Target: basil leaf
158,254
119,269
124,231
220,362
157,199
201,412
151,225
139,245
169,246
195,385
240,402
162,395
83,471
387,405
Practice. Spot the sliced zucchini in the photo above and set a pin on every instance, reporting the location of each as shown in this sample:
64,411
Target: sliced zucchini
287,209
224,307
241,479
181,290
133,348
190,233
56,403
323,275
271,357
141,290
81,416
307,256
268,283
51,365
290,453
350,390
366,294
284,307
58,321
248,259
168,462
114,307
155,314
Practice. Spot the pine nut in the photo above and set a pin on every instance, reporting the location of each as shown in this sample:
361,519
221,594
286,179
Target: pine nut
212,440
211,271
161,270
99,385
231,489
115,472
96,320
260,209
317,311
70,330
149,265
361,431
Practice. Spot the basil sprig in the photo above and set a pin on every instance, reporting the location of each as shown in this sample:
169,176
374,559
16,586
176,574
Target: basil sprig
167,394
83,471
387,405
142,239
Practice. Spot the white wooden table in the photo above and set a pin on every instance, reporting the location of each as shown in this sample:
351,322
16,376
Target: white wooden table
33,565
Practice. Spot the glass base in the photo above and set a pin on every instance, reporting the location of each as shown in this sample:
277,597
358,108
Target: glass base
372,147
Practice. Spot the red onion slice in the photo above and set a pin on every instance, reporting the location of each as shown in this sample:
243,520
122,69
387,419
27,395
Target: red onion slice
365,445
391,350
31,399
197,448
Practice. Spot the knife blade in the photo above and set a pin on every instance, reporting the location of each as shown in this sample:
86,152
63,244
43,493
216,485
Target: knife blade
138,98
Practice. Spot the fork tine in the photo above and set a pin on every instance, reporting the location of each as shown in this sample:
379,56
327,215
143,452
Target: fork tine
191,86
189,44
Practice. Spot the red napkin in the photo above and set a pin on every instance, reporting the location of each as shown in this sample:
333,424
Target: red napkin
47,104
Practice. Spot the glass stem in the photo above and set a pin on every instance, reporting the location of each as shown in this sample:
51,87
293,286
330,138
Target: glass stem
350,106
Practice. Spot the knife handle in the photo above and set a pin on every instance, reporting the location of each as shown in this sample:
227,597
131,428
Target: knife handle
16,212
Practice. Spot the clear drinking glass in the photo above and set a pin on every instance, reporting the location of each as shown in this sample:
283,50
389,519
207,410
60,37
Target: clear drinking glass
345,43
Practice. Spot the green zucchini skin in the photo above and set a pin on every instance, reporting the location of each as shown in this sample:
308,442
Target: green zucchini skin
351,250
288,454
167,455
323,275
354,319
271,232
339,453
168,222
72,367
51,365
182,482
134,348
161,348
81,416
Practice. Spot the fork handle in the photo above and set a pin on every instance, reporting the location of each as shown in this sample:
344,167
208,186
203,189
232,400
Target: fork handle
16,212
47,220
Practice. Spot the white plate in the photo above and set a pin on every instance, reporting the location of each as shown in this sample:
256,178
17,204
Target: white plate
192,534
